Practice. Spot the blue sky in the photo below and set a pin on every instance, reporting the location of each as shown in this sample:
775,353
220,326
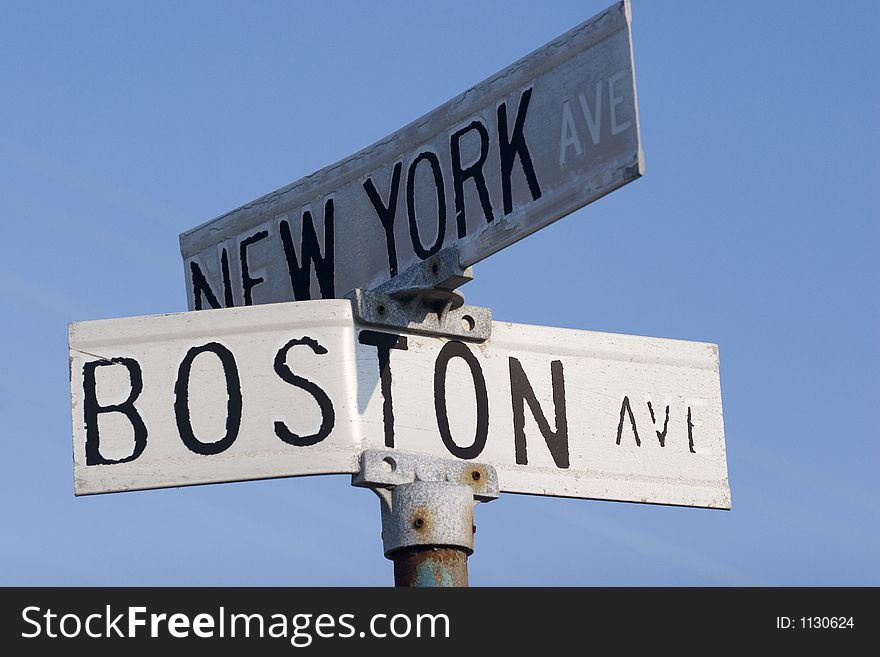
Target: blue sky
755,227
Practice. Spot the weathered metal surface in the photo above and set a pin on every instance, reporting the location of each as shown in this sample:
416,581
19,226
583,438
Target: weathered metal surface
471,323
432,279
426,501
549,134
431,567
385,468
424,299
426,513
301,388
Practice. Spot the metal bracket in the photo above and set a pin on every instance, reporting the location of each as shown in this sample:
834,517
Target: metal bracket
426,501
424,299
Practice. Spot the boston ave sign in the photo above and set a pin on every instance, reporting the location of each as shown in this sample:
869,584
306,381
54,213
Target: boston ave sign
545,136
301,389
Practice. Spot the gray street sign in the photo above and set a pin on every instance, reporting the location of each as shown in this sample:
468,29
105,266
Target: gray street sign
549,134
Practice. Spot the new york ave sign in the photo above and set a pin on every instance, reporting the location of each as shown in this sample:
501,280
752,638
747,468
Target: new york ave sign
549,134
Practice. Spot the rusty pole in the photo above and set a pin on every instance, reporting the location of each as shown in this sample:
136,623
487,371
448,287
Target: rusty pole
427,513
431,566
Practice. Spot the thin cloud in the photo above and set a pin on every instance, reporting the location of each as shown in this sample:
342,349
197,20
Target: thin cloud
659,549
77,177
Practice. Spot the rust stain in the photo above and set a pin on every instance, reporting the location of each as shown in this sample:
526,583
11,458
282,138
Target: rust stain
421,518
430,567
474,477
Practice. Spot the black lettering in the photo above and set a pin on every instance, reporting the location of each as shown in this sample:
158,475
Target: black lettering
227,282
91,410
690,433
661,435
384,343
450,350
248,283
328,415
201,288
474,171
387,213
300,279
625,408
233,402
521,391
513,145
420,250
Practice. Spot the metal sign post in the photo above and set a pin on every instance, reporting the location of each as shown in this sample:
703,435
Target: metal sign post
427,513
427,503
417,396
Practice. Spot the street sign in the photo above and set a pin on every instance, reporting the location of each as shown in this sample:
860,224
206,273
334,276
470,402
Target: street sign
301,389
549,134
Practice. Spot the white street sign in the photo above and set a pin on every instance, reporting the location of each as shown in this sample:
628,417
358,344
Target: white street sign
547,135
300,388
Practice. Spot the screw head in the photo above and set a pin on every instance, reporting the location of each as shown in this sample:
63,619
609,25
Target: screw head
418,523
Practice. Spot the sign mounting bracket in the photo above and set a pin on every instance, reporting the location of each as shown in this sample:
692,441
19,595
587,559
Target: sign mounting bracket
424,299
427,512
